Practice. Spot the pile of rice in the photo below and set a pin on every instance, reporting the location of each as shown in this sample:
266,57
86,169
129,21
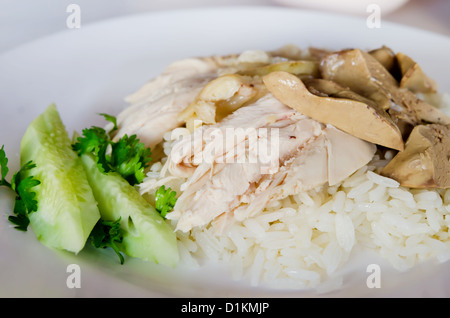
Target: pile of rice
300,241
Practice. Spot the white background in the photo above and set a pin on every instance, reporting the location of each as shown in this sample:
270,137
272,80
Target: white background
22,21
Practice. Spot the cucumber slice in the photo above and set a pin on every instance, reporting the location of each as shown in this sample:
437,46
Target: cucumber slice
146,235
67,210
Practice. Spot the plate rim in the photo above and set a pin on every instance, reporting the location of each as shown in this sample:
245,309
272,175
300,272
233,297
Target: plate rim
123,19
221,8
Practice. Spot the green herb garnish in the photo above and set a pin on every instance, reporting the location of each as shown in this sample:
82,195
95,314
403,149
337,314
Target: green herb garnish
25,202
127,156
165,200
107,234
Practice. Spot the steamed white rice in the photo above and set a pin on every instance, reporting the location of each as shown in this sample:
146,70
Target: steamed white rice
300,241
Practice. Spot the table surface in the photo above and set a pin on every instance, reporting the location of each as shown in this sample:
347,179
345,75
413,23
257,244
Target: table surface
26,20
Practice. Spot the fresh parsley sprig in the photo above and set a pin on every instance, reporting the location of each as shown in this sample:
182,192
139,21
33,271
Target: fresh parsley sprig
4,167
107,234
25,202
111,119
165,200
127,156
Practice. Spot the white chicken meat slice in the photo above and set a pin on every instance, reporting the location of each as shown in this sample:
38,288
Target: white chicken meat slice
188,151
310,154
154,108
218,186
330,158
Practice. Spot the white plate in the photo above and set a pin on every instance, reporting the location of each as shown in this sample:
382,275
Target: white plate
89,70
359,7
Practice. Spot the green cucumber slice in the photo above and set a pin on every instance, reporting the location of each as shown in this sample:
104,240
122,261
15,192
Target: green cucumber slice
67,210
146,235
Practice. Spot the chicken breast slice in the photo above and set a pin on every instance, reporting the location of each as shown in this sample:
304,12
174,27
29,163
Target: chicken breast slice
186,153
330,158
217,188
154,108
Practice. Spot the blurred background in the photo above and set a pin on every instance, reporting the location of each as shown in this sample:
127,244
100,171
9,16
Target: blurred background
22,21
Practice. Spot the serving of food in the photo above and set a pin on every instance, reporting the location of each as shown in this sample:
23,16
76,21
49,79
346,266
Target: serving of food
279,165
363,160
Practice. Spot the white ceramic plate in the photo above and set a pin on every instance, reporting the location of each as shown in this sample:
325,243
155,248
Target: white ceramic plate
347,6
90,70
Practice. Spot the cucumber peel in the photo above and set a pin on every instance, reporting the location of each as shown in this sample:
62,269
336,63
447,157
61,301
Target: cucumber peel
67,210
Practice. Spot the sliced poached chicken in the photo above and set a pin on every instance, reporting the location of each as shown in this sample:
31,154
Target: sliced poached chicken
309,154
153,110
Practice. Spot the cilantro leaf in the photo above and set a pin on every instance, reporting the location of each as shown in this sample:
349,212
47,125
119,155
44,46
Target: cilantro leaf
93,139
25,202
3,167
20,221
129,157
165,200
111,119
26,195
22,188
107,234
126,156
